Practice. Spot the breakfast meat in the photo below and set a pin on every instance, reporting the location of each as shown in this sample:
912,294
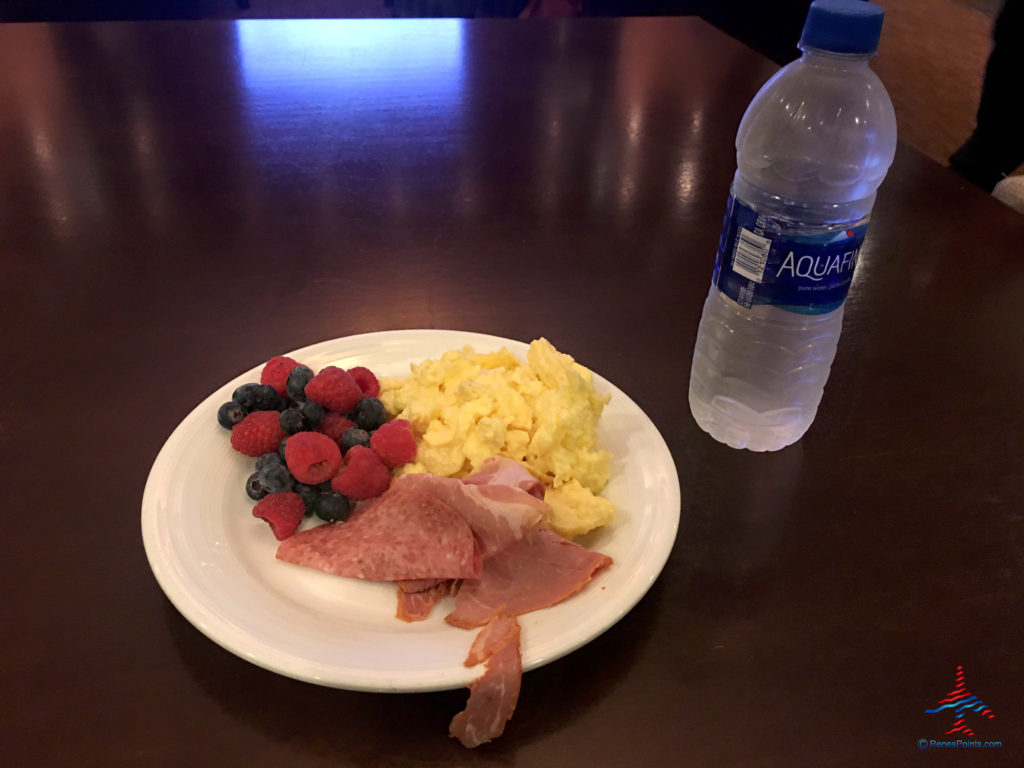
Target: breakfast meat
500,629
492,696
497,514
536,572
499,470
415,604
419,585
406,533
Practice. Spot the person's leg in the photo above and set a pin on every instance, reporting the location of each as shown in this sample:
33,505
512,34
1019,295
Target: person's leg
996,148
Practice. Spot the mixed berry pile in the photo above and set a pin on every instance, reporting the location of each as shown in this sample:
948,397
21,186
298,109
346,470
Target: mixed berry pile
322,441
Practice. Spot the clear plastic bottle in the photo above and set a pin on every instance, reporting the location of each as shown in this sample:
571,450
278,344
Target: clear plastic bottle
811,151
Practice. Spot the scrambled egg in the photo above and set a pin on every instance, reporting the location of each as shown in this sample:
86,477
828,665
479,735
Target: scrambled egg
467,407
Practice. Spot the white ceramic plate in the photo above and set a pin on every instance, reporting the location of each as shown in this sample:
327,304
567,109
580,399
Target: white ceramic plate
216,562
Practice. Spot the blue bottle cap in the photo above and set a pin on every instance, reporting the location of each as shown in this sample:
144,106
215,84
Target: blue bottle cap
843,26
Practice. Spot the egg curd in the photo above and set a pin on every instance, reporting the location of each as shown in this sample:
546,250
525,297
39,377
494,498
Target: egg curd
469,406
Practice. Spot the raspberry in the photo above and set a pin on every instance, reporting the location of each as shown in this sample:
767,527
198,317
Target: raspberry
275,373
394,443
258,433
312,457
363,476
334,426
284,512
366,380
334,389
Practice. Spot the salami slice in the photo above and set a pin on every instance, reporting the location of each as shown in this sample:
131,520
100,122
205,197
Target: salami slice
406,533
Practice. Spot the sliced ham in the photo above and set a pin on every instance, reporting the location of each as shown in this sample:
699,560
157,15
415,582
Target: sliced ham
498,514
499,470
416,605
493,695
538,571
406,533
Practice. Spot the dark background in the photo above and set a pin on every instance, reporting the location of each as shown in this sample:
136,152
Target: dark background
772,28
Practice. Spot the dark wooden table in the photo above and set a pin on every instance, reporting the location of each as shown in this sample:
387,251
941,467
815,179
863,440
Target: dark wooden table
180,201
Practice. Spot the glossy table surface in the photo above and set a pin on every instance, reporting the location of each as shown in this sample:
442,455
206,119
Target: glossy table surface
181,201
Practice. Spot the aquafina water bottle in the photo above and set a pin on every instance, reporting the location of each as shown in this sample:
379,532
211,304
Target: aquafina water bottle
812,149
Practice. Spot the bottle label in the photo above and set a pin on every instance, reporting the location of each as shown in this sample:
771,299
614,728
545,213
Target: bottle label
758,262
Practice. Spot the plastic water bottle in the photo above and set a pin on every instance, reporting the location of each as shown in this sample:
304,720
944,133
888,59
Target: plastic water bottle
812,149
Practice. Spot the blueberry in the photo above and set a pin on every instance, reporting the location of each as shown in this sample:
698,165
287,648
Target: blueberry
354,436
276,478
230,414
254,487
266,398
246,396
291,421
281,447
312,414
369,414
268,458
310,496
332,507
299,377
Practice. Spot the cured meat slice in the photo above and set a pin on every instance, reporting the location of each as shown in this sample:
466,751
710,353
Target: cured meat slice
406,533
416,605
496,633
499,470
493,695
538,571
498,514
418,585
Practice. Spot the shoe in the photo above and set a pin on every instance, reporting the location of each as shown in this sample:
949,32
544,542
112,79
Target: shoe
1011,191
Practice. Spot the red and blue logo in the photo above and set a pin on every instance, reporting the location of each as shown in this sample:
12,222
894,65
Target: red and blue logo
960,703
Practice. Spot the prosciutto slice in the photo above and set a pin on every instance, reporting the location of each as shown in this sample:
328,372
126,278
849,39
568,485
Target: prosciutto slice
501,629
418,585
499,470
538,571
497,514
493,695
416,604
406,533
